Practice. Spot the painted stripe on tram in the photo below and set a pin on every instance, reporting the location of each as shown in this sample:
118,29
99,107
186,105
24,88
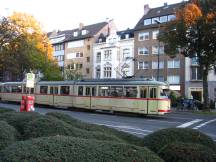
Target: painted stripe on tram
185,125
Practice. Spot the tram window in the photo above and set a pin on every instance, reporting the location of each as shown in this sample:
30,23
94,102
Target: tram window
88,90
116,91
93,91
143,92
80,91
26,90
131,92
43,89
152,92
6,89
65,90
104,91
16,89
53,90
163,93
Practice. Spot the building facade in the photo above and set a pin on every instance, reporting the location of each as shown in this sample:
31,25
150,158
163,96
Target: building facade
113,55
79,47
193,81
151,61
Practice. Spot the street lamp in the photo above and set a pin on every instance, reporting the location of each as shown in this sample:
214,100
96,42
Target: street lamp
158,57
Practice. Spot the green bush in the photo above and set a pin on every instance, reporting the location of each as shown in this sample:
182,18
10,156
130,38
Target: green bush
8,134
19,119
187,152
128,138
61,148
49,126
157,140
3,110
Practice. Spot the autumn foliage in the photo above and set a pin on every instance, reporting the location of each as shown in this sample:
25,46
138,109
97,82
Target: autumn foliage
25,47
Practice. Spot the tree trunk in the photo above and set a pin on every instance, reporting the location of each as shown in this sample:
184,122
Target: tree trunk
205,89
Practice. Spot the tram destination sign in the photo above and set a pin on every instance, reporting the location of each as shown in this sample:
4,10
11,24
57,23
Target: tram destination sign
30,77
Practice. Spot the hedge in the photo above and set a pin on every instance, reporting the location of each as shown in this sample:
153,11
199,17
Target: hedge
187,152
49,126
3,110
161,138
61,148
8,134
19,119
128,138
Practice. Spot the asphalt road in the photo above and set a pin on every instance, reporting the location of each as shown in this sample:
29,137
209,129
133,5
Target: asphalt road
136,124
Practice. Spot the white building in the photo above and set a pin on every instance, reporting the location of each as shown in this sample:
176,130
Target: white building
193,81
113,55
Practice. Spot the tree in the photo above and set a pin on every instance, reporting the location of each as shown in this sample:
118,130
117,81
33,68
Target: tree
25,47
194,33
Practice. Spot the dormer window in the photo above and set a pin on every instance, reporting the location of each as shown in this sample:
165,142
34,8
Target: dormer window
126,36
75,34
163,19
155,19
100,40
84,32
147,21
171,17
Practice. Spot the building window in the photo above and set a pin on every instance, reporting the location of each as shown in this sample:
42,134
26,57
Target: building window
196,73
88,59
75,34
126,36
155,34
87,70
107,55
98,72
171,17
163,19
79,54
108,70
88,47
194,61
98,57
173,64
143,36
143,65
126,53
155,19
147,21
155,65
143,51
155,50
84,32
173,79
59,47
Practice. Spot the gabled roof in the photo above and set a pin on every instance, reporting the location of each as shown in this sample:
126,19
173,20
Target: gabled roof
91,31
155,12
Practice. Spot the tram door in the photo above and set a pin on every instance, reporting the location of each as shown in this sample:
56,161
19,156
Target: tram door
144,103
90,91
152,101
53,92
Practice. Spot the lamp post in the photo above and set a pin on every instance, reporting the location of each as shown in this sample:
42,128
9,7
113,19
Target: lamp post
158,55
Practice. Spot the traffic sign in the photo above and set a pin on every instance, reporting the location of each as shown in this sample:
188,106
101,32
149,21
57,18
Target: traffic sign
30,77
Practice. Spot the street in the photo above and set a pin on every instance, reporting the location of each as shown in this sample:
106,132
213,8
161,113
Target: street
136,124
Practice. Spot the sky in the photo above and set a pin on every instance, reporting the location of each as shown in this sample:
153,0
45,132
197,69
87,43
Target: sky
67,14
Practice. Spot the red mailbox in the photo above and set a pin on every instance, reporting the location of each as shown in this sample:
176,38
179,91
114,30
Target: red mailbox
27,103
23,104
30,103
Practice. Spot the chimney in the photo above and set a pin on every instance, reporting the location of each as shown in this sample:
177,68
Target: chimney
165,4
146,9
81,25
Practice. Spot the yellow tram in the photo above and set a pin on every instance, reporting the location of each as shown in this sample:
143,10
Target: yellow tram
125,95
